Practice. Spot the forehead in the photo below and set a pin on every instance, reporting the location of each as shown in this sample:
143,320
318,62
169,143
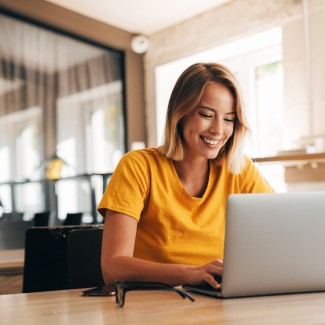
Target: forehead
217,94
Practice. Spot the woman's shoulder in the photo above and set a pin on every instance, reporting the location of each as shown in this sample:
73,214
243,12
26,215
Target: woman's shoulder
249,169
147,153
148,156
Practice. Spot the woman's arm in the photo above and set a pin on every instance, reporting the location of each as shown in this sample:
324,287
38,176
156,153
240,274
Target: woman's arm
117,259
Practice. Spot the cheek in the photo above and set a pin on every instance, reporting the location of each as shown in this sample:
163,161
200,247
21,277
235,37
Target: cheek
191,129
229,132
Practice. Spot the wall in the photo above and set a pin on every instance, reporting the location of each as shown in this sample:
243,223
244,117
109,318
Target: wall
317,62
107,35
304,74
241,18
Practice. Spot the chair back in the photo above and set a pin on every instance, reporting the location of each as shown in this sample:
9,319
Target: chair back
12,234
41,219
73,219
12,216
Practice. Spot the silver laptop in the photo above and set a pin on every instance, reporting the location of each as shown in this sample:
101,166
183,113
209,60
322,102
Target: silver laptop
274,244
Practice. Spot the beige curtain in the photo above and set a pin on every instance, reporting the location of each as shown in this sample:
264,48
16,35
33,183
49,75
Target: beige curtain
39,66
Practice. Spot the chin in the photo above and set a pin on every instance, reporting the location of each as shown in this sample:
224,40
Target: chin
213,155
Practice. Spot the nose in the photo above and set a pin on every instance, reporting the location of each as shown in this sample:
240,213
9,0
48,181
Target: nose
216,126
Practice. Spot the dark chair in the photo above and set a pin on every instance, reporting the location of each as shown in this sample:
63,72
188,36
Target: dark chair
58,258
12,234
12,216
73,219
41,219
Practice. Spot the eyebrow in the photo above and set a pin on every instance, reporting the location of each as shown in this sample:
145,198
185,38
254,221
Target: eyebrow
211,109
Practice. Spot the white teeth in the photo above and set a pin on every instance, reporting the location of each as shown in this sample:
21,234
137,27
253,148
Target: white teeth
213,142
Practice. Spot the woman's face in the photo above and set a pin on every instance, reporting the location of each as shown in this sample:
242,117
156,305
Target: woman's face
207,129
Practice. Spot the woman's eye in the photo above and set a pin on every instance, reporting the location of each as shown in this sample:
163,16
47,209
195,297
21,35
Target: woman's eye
229,120
205,114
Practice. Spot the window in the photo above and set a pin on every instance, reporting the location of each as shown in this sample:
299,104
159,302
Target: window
21,132
62,96
94,143
269,107
21,139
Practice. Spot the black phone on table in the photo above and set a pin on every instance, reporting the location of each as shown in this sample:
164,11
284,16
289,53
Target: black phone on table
102,291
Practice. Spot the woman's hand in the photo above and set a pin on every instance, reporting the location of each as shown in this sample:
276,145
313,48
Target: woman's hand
206,273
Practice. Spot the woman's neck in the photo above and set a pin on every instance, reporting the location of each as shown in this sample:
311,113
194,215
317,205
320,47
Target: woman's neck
194,175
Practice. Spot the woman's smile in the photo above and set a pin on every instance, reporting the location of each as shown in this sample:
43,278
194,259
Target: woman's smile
210,141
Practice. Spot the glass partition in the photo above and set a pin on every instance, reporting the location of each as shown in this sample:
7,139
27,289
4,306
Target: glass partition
60,97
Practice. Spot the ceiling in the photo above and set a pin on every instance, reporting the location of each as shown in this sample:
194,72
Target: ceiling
140,16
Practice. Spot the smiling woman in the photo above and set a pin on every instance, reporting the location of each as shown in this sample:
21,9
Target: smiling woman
164,207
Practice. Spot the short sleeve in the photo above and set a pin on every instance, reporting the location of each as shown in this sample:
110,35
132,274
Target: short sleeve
128,186
253,181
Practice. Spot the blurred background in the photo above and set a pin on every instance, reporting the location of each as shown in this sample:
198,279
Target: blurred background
83,82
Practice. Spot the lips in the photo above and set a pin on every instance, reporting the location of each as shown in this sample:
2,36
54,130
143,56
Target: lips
210,141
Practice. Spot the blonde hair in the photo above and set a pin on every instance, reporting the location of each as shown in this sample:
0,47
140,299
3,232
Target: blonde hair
186,96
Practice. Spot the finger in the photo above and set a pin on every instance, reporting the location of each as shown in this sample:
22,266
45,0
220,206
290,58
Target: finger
212,282
217,262
214,270
213,275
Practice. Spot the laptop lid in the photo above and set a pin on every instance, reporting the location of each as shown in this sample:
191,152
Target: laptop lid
274,244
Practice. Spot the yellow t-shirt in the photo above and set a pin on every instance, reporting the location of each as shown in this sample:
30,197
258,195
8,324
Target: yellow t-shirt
174,227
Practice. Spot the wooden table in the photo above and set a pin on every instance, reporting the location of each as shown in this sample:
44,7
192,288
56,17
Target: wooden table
11,270
157,307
